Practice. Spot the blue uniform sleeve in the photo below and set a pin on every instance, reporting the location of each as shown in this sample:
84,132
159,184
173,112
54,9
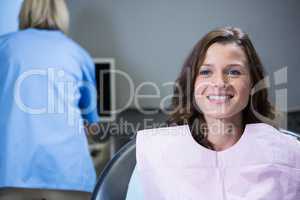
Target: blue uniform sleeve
135,191
88,91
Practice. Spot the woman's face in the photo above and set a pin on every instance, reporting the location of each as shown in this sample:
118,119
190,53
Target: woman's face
223,84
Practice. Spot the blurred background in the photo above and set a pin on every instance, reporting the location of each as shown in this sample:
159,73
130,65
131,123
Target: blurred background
149,41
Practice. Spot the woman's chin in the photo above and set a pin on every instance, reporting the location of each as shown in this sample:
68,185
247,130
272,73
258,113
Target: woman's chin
219,115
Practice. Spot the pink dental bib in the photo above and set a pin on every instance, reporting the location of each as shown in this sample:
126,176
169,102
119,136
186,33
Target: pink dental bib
263,165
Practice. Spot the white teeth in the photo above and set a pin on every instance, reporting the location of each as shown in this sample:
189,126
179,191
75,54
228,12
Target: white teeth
218,97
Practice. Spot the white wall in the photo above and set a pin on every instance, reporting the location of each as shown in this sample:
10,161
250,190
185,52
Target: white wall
150,39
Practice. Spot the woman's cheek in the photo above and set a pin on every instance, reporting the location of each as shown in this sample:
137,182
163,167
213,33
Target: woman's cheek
244,87
200,87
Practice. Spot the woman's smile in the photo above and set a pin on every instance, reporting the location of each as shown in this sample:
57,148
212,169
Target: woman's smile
219,99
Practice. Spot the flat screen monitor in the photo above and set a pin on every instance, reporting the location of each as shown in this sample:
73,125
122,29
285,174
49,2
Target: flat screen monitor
105,83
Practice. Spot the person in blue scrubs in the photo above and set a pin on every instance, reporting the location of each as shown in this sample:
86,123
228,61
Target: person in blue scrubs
47,94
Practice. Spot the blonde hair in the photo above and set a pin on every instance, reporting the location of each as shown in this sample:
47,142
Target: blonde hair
44,14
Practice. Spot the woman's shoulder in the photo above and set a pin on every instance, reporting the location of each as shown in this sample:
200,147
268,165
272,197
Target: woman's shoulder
10,38
269,130
276,135
285,147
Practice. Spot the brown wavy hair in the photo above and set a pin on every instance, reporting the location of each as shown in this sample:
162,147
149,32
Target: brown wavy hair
183,107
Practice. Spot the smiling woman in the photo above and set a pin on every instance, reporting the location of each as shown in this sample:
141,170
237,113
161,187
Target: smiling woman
216,81
219,123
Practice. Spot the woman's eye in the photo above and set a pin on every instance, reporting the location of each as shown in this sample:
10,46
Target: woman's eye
204,72
234,72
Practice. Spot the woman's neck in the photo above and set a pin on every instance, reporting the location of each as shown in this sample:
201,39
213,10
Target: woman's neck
224,133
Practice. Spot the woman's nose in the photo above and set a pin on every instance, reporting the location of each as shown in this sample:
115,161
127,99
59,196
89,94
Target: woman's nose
220,80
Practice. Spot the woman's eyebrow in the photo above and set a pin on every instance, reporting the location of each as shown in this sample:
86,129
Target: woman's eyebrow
230,64
236,65
207,65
